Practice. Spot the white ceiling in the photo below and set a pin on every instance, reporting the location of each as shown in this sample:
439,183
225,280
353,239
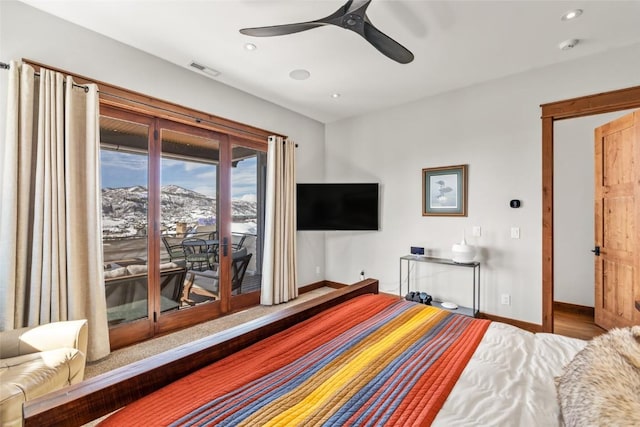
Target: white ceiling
455,43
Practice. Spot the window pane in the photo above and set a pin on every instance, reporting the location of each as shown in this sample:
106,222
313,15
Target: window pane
188,212
247,194
124,170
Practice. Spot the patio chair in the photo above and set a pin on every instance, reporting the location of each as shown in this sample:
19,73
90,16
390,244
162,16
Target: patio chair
237,241
196,251
126,291
239,263
213,249
239,267
174,251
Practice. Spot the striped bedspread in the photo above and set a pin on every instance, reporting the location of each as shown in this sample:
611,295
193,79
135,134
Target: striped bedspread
374,360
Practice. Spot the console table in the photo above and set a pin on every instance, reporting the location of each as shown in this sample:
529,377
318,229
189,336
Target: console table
474,266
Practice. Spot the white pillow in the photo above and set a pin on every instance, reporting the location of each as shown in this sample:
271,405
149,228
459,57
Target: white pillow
116,272
168,265
137,269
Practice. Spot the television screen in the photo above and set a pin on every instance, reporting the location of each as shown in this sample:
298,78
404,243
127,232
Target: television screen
337,206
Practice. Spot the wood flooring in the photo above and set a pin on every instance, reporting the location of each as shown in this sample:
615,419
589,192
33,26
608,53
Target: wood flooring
575,324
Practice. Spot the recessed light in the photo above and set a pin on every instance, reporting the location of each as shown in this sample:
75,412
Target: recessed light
335,95
250,46
568,44
572,14
300,74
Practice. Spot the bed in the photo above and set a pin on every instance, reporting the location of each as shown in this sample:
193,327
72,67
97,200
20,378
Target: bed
351,357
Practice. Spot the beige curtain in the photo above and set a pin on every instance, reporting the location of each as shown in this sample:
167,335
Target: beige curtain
279,280
50,219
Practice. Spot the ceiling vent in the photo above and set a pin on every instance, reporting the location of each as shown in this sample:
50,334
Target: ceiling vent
204,69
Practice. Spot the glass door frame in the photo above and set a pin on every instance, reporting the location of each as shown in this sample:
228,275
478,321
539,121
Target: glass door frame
249,299
157,322
193,315
124,334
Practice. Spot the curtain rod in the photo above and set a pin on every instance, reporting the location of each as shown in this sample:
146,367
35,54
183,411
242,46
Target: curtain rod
85,88
196,119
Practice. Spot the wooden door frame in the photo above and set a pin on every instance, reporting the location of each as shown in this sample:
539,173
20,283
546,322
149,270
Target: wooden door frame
600,103
128,333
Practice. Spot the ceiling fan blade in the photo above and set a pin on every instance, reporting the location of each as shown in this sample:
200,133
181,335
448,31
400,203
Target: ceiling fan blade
350,16
385,44
281,30
351,6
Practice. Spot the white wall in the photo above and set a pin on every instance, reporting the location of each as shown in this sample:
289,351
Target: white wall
26,32
495,128
573,207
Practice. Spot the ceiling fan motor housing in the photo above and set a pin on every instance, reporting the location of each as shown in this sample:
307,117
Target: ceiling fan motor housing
352,22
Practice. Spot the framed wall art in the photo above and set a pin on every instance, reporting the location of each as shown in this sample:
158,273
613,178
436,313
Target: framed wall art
444,191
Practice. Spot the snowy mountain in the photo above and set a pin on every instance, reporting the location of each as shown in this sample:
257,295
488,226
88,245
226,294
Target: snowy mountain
124,210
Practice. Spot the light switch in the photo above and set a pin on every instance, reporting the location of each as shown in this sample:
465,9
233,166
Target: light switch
477,231
515,232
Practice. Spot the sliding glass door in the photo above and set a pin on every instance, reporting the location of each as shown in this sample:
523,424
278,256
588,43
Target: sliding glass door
248,174
182,224
125,140
191,217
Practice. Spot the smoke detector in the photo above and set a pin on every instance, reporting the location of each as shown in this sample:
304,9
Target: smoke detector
568,44
300,74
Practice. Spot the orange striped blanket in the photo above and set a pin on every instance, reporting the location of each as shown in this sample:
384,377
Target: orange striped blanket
373,360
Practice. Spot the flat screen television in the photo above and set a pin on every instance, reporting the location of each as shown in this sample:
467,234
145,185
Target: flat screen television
337,206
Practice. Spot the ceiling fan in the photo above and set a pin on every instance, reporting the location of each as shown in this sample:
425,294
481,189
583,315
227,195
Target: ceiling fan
351,16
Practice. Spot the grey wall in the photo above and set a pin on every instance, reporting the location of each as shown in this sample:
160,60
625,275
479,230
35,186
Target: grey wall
495,128
26,32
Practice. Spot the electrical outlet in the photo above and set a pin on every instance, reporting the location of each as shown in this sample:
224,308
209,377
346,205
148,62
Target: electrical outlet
505,299
317,270
477,231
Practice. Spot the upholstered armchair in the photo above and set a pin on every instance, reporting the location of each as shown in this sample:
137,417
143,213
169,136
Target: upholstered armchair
37,360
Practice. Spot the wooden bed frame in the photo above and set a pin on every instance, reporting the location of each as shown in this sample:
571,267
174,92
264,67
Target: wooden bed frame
91,399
